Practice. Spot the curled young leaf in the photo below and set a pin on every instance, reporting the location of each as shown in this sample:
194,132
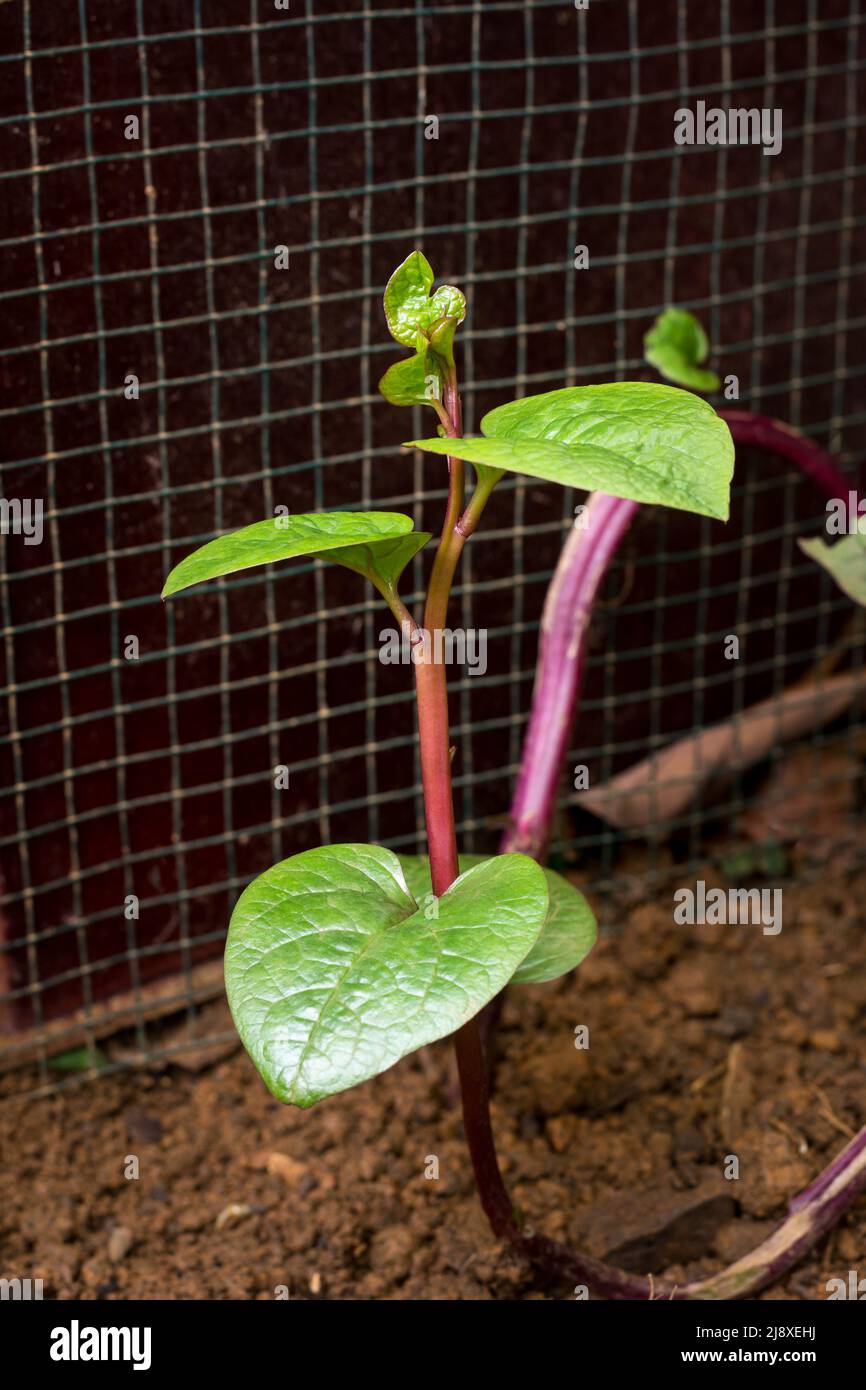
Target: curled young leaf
676,345
323,534
382,562
413,381
632,439
410,308
334,971
569,932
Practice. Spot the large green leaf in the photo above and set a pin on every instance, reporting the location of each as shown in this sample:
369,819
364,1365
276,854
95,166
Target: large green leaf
569,930
676,345
322,534
638,440
409,306
333,972
846,561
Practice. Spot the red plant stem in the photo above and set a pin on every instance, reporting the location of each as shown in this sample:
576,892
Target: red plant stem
430,680
432,695
436,773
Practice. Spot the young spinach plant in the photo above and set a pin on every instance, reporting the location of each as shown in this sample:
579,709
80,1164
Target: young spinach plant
340,960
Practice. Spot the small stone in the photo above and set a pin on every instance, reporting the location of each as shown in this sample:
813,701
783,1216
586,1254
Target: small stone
231,1215
315,1284
849,1246
561,1131
771,1171
793,1030
93,1273
691,987
391,1251
288,1169
119,1243
826,1040
141,1126
372,1286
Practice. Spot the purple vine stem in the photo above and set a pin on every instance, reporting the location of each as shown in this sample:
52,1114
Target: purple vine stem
568,608
567,611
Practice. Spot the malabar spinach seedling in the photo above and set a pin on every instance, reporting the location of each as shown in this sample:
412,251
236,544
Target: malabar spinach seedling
341,960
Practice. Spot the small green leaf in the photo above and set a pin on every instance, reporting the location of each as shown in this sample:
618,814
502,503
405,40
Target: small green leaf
846,561
637,440
322,534
414,381
676,345
409,307
569,930
334,973
79,1059
382,562
441,334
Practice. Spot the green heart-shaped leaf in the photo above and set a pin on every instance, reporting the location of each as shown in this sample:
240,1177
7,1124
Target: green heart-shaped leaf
846,561
676,345
633,439
567,937
409,307
333,972
569,932
321,534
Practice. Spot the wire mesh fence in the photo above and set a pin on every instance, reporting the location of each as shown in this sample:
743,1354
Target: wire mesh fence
165,380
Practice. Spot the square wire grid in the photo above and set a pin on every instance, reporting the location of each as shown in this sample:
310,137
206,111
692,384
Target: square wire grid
307,128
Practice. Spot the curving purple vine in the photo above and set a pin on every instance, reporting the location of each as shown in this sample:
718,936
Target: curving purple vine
585,559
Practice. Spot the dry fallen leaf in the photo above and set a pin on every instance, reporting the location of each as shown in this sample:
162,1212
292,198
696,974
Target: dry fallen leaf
662,786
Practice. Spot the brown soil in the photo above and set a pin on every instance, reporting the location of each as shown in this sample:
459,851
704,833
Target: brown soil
704,1041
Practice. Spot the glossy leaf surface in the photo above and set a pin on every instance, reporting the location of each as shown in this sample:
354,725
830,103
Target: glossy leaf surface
569,930
321,534
334,973
637,440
